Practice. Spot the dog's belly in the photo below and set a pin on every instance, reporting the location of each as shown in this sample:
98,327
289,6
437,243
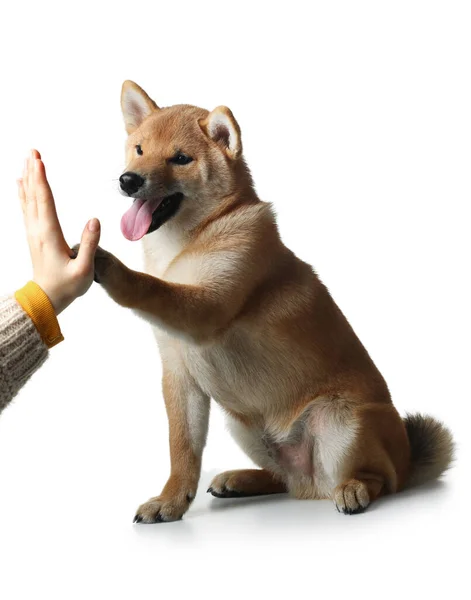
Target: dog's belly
227,373
239,372
250,379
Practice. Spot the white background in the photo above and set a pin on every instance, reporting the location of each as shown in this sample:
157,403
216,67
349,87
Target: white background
356,121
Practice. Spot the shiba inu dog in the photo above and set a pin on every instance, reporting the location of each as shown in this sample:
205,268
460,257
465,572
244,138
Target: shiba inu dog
240,319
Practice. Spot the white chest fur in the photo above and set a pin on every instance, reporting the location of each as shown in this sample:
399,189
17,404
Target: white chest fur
160,249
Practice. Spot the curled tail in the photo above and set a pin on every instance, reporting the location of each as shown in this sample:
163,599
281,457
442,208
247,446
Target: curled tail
432,448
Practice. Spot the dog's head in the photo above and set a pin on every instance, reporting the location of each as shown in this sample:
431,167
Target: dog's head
181,161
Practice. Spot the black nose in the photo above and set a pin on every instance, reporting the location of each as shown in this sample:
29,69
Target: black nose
131,182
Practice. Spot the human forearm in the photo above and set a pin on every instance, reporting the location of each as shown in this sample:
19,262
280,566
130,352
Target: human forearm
22,351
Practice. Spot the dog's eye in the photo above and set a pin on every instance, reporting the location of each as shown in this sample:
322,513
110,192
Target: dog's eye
180,159
139,150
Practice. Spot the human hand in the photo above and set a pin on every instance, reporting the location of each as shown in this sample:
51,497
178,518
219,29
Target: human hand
55,269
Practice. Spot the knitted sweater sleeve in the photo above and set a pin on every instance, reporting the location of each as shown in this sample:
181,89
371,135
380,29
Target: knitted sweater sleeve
22,349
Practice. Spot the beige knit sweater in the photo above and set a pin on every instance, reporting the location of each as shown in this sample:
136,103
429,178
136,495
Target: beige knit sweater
22,350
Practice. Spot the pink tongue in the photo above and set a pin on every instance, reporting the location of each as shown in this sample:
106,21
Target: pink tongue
136,221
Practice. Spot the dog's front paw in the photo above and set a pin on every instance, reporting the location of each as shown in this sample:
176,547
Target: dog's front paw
104,261
164,508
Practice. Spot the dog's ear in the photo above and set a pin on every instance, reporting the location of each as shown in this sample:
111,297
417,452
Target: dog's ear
221,127
136,105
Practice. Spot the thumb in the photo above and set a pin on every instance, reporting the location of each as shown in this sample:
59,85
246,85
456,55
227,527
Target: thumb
88,245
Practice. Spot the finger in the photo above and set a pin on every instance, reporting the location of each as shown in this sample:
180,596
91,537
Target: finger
31,173
88,245
43,190
33,155
21,194
24,176
47,214
31,211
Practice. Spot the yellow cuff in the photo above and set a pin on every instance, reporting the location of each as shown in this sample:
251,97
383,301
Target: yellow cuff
39,308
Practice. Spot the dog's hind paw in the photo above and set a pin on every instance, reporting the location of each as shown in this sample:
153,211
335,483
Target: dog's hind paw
243,483
351,497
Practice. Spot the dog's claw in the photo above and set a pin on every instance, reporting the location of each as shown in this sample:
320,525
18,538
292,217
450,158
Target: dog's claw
223,493
353,511
137,519
209,490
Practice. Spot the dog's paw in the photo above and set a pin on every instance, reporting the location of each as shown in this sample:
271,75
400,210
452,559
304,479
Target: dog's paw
228,485
163,509
243,483
104,261
351,497
74,251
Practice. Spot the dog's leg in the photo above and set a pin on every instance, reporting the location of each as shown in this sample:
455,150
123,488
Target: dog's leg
245,482
188,414
378,461
195,311
361,452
